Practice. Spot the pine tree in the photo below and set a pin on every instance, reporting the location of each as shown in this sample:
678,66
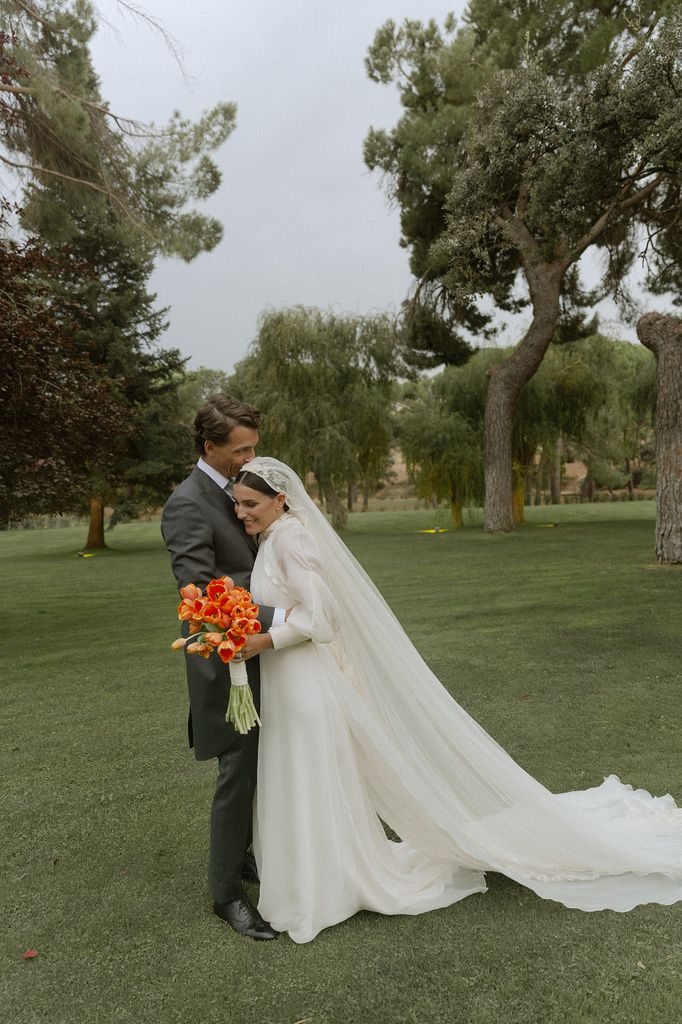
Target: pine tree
534,132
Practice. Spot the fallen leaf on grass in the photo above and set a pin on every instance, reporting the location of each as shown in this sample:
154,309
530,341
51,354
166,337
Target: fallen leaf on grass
29,954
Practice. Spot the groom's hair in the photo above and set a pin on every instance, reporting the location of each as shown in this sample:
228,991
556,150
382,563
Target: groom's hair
218,417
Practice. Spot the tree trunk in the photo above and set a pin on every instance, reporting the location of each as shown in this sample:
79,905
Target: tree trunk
96,527
351,495
631,485
663,336
537,481
587,489
499,409
365,496
518,492
555,472
455,512
506,382
528,485
338,513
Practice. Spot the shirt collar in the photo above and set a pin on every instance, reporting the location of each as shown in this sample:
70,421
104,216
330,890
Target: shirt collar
221,480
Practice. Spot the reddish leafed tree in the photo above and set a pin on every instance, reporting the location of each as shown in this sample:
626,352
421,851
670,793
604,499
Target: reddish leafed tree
60,421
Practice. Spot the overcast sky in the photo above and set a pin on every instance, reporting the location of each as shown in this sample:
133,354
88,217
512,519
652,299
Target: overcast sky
305,221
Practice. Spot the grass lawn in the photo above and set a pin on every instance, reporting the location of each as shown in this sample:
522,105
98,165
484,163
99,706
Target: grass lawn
563,640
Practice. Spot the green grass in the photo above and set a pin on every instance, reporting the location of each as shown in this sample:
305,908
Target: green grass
563,641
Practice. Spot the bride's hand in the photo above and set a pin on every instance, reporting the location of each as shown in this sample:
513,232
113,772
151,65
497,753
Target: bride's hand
256,644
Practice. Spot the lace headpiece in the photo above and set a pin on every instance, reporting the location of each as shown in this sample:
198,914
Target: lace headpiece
282,479
272,474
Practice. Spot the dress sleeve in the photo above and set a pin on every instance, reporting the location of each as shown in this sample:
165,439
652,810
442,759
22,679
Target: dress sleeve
314,613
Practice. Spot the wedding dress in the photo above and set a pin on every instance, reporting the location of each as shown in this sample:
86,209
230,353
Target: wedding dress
357,730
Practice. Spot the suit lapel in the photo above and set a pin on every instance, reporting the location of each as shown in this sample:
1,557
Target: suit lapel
220,500
251,541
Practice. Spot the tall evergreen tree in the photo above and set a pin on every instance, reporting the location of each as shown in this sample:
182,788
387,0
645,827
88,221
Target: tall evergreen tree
116,205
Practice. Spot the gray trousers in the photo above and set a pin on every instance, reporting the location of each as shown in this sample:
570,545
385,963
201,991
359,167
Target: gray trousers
231,817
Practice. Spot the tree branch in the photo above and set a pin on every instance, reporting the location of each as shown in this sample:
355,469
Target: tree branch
519,231
522,200
594,232
17,90
129,126
127,5
157,26
643,192
34,14
35,169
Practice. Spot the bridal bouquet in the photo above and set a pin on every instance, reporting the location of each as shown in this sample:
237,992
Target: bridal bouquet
220,621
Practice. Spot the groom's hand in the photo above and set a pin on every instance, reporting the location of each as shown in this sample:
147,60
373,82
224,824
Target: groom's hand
256,644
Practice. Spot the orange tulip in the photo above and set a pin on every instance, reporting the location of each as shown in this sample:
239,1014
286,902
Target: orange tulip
178,644
204,650
236,639
226,652
214,639
191,609
211,612
191,592
219,588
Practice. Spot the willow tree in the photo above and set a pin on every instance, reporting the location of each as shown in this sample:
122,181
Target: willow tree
442,451
563,148
617,442
441,428
325,384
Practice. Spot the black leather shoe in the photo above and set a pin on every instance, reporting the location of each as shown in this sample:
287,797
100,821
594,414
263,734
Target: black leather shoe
250,869
244,919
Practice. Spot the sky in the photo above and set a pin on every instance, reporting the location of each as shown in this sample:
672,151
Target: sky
305,222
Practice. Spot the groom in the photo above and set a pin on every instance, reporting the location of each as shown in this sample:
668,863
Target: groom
206,540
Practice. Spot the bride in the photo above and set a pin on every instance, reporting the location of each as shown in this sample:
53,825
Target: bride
358,731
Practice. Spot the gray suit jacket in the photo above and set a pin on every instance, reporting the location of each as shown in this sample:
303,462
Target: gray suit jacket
206,540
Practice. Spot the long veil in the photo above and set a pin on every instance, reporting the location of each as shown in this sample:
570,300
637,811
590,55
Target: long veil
450,790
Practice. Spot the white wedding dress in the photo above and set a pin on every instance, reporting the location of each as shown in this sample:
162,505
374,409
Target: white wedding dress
357,730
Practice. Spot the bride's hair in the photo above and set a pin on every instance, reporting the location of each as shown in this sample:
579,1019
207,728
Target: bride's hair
257,483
